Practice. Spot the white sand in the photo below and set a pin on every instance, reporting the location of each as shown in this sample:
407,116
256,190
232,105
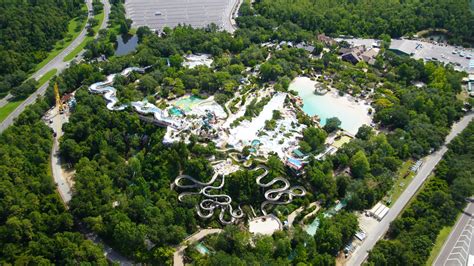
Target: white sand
352,114
193,60
265,225
247,131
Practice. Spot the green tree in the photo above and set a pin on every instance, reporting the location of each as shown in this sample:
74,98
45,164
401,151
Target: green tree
359,165
332,124
313,139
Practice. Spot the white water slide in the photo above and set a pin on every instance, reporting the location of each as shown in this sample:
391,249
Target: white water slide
142,107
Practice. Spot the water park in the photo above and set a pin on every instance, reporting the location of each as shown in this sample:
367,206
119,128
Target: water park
233,132
352,112
194,60
210,202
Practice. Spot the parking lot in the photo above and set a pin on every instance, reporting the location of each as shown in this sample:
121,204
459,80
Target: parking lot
158,14
460,58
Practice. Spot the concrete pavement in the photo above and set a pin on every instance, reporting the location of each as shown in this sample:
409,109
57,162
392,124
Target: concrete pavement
430,161
458,250
56,63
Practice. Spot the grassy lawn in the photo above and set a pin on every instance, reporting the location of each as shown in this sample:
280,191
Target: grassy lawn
46,77
440,239
60,45
8,108
403,180
80,47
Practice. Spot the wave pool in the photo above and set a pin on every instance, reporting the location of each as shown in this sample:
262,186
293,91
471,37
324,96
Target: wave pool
352,114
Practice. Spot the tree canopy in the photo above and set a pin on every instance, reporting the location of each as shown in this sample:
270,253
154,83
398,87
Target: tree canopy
28,32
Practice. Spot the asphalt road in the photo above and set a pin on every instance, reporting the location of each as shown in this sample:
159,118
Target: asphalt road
56,63
64,187
459,247
430,161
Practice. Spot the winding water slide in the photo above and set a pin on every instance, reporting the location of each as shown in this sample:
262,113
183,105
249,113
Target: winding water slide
211,202
273,195
142,107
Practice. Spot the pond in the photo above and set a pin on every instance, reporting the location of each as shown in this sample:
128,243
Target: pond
351,113
126,44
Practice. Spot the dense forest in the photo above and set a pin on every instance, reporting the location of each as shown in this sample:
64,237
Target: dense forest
237,247
28,32
412,235
35,227
373,18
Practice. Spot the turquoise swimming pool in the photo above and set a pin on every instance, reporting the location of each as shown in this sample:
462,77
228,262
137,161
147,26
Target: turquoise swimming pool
352,114
313,227
187,103
176,111
202,249
255,142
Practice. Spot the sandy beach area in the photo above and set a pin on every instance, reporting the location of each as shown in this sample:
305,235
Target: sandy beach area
351,113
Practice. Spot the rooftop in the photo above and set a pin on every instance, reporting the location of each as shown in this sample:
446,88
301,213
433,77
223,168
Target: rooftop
405,46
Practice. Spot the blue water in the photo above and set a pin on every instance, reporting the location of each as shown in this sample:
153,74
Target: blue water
175,111
126,45
255,142
352,115
313,227
187,103
202,249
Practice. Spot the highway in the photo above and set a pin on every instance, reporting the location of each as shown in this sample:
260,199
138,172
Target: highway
459,247
430,161
56,63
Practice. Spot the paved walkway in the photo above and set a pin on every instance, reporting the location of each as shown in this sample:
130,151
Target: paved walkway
458,250
178,259
430,161
292,216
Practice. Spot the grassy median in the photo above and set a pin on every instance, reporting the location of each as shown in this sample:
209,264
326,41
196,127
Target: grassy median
80,47
440,240
62,44
6,110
